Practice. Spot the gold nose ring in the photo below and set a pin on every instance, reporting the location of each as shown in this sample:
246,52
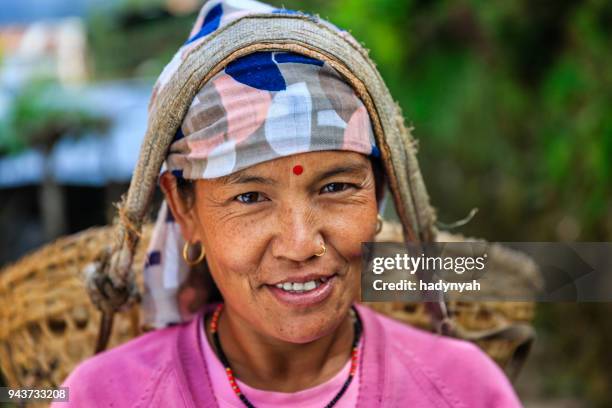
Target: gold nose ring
323,250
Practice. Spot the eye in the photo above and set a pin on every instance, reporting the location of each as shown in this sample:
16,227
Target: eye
250,198
335,187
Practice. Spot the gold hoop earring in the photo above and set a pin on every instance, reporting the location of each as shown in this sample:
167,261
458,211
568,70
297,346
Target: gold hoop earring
186,255
323,250
379,224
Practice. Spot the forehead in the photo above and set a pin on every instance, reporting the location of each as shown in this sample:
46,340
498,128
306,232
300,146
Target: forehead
310,162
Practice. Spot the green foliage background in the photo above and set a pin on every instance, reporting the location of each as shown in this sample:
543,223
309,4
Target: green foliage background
511,104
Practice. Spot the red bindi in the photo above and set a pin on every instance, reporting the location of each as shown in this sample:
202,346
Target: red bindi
297,170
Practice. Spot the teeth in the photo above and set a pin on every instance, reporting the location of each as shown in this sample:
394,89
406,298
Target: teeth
310,285
299,287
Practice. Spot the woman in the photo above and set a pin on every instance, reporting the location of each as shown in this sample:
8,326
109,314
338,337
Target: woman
272,182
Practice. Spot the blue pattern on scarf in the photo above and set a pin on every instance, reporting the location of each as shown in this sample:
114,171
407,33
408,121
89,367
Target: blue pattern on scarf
153,258
284,57
211,23
257,70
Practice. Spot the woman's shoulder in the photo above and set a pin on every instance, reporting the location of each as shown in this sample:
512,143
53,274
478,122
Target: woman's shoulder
458,371
126,374
144,351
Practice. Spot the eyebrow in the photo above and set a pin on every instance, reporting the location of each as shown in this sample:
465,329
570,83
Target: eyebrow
244,178
346,169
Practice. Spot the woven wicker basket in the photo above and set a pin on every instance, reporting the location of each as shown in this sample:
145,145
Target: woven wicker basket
48,324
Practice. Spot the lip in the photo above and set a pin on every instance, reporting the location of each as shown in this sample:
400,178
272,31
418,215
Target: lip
304,299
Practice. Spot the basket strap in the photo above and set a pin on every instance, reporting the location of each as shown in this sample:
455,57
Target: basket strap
437,309
107,296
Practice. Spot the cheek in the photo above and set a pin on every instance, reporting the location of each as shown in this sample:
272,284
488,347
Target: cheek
350,227
233,250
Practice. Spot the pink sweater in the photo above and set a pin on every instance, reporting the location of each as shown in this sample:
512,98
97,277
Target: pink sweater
314,397
401,366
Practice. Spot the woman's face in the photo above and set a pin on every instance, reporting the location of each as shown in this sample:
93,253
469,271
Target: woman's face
261,228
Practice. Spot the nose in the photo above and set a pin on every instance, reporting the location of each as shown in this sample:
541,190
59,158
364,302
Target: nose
298,236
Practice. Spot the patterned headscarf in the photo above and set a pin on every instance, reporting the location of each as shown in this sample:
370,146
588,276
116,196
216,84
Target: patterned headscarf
262,106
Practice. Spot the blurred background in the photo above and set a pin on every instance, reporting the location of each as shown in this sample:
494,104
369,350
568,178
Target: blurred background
511,102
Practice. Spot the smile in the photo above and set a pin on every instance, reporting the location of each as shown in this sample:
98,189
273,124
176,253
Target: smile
304,294
299,287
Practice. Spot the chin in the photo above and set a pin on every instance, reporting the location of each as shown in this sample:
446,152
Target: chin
309,327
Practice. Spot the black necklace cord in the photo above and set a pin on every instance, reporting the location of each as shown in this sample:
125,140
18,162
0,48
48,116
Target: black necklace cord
232,380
